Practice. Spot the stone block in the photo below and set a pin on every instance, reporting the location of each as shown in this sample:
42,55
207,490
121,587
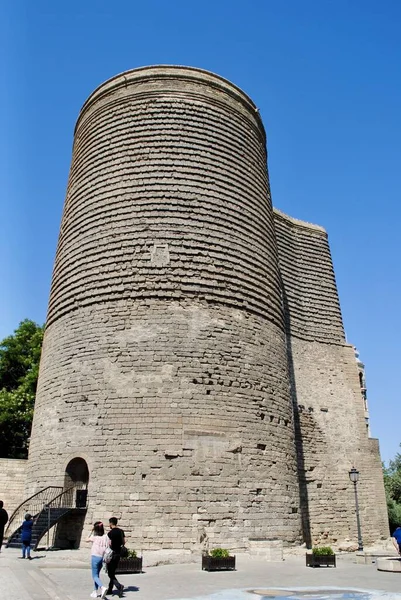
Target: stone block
270,550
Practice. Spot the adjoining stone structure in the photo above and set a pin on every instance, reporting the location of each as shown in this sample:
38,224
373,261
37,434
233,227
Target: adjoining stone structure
194,354
328,393
12,482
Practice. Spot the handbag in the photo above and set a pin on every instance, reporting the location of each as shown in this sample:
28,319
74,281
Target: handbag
123,552
108,555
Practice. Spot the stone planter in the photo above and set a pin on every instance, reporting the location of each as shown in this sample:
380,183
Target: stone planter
130,565
210,563
314,560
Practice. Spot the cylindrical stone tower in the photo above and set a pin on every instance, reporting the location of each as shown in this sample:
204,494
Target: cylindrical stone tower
164,367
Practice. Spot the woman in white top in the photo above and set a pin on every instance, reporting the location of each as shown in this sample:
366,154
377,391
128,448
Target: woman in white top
100,541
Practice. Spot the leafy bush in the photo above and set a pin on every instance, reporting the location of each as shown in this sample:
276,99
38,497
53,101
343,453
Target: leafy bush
394,514
219,553
132,554
392,485
322,551
19,368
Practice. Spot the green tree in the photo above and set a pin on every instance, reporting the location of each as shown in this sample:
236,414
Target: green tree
392,485
19,368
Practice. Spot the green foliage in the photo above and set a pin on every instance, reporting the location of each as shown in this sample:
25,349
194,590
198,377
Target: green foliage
132,554
322,551
394,514
392,485
19,368
219,553
392,478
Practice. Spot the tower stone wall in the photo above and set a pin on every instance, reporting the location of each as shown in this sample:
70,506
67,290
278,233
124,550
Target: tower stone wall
164,362
194,353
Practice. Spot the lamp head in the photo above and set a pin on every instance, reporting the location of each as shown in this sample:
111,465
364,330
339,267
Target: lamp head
354,475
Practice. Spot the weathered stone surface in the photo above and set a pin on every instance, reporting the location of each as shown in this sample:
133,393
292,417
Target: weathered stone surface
329,407
270,550
12,482
194,354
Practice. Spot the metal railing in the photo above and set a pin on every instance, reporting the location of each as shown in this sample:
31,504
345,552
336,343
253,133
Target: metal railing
34,504
66,499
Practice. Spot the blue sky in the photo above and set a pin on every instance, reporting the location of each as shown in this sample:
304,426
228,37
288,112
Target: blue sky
326,77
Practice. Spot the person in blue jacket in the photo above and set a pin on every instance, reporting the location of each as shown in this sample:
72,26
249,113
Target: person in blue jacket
396,537
26,536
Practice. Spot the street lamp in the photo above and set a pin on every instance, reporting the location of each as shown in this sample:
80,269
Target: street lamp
354,476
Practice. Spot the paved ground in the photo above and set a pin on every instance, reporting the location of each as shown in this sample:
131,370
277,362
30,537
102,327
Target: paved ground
65,575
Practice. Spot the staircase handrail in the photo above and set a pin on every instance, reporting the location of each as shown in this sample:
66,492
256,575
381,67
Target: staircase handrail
33,507
58,501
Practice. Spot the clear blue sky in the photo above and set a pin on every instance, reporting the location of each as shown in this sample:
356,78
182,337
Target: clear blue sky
326,77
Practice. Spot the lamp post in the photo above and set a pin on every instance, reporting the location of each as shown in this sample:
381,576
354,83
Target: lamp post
354,476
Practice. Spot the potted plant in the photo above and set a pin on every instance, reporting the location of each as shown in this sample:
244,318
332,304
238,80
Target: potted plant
321,557
130,564
218,559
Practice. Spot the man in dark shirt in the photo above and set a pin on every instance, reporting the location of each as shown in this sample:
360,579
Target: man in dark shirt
3,521
117,537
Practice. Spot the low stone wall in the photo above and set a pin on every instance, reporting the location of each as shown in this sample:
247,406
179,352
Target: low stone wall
390,563
12,482
270,550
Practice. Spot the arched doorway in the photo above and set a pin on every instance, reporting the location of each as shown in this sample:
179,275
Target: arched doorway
76,473
76,479
70,526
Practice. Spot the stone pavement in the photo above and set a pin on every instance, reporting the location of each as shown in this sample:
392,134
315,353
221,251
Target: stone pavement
65,575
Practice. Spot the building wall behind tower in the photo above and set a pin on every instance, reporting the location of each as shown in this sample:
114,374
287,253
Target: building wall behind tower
332,435
12,482
164,362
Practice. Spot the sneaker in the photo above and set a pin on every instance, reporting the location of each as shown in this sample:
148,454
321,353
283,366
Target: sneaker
121,590
94,594
103,592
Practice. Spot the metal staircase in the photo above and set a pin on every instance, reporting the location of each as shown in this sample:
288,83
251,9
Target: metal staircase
47,507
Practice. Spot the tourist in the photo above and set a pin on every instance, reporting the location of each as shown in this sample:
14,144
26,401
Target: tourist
100,542
26,536
117,537
396,539
3,521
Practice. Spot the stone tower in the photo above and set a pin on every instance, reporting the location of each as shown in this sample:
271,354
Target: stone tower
178,332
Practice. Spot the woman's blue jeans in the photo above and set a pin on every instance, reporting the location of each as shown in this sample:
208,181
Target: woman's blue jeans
96,564
26,548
